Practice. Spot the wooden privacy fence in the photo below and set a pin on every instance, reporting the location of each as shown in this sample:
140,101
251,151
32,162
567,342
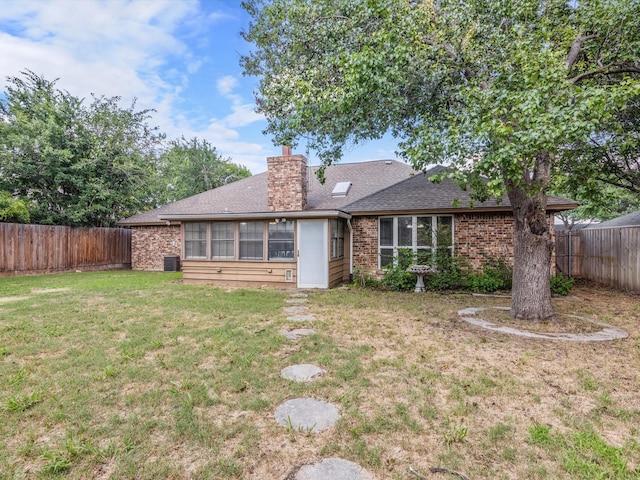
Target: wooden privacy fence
569,253
611,256
28,249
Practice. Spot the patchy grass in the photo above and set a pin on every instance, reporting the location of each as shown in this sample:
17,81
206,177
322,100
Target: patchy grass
136,375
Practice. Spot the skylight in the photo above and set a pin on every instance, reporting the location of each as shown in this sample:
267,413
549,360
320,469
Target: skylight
341,189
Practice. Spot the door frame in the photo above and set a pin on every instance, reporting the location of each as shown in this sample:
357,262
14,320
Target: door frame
325,253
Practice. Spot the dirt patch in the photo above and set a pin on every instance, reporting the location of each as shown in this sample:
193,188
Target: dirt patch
39,291
12,299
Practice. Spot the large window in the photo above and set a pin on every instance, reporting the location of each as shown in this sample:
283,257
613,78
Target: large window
419,236
255,240
195,240
337,238
223,240
251,240
281,240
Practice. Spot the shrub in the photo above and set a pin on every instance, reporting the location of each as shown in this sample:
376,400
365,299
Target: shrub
484,283
450,274
496,275
499,269
561,285
396,276
364,279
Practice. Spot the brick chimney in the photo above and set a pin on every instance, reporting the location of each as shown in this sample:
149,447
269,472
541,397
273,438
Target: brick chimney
287,182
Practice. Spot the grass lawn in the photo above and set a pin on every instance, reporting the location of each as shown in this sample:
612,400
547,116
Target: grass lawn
135,375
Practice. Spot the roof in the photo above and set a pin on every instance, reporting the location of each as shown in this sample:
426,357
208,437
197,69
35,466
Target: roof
629,220
418,193
377,187
249,195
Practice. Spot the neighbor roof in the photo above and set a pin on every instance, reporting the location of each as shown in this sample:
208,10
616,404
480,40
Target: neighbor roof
629,220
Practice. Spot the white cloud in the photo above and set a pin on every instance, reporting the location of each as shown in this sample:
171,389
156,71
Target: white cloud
243,115
131,49
226,85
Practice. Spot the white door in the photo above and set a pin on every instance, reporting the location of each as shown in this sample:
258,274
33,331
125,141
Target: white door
313,250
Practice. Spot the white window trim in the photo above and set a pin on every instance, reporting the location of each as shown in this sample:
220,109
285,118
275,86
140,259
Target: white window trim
415,248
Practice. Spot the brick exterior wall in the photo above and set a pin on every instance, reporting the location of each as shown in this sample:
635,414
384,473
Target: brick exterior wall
481,235
476,236
150,244
365,243
287,183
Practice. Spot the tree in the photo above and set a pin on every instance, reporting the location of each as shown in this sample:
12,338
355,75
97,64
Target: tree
193,166
504,89
72,163
599,201
12,209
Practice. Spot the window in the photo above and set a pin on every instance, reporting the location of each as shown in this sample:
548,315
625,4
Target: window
337,238
251,240
223,240
421,237
255,240
386,242
195,240
281,240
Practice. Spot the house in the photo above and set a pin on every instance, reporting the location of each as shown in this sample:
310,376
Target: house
284,228
629,220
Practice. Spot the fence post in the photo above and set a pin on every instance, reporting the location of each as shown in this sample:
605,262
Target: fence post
570,255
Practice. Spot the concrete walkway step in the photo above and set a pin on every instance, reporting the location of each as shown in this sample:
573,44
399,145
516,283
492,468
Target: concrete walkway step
296,309
333,469
303,372
307,415
296,333
302,318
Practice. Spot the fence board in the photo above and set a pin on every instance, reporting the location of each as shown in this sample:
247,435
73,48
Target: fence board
569,253
610,256
45,249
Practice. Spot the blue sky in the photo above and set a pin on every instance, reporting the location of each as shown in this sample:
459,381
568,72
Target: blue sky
179,57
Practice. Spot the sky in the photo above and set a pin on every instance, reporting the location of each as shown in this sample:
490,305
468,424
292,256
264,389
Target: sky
178,57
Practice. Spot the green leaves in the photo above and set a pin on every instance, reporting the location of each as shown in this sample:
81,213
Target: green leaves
452,80
193,166
12,210
74,163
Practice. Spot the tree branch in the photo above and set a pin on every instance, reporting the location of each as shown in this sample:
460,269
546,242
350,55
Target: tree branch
606,70
576,49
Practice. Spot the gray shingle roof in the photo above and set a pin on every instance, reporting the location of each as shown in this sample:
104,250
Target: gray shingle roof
629,220
249,195
377,186
418,193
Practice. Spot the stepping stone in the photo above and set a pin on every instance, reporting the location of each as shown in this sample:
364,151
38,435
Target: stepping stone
307,415
333,469
304,372
296,309
301,318
297,300
299,295
297,333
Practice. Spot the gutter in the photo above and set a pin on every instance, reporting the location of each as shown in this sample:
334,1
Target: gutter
257,216
453,211
350,249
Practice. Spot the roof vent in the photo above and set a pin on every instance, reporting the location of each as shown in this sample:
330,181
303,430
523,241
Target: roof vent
341,189
387,162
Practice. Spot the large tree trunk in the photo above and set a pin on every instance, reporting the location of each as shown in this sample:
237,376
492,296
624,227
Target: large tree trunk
533,245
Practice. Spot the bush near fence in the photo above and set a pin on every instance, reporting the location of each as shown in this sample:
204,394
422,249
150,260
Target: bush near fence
32,249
